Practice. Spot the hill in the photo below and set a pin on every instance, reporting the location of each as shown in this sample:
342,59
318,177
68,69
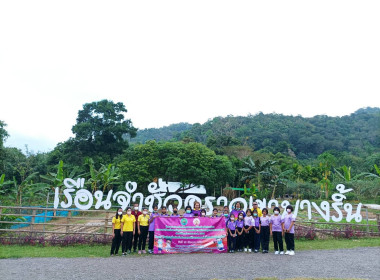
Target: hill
357,133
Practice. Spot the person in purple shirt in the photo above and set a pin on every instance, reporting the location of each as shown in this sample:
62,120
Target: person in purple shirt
256,231
276,225
188,212
151,228
164,212
175,212
197,209
231,227
203,213
264,237
248,231
214,213
239,230
289,220
237,210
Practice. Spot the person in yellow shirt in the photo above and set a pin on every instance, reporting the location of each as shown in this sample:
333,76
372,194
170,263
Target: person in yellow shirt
255,207
116,230
143,226
127,231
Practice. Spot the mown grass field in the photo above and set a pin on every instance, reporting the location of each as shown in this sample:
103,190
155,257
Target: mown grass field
76,251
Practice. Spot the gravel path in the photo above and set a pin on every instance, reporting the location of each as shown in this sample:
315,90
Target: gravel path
343,263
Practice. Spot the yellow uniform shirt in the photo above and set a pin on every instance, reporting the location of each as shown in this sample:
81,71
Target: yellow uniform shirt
117,222
144,221
128,222
259,213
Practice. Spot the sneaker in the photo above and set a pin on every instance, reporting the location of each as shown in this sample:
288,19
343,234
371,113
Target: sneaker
256,251
250,250
292,253
245,250
282,252
143,251
124,254
287,252
266,251
276,253
139,252
232,251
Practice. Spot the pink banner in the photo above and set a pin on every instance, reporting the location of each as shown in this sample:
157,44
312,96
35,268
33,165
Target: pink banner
189,235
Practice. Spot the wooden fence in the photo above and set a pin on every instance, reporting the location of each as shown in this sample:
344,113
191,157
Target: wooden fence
48,222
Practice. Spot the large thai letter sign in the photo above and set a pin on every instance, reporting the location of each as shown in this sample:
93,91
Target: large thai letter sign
190,235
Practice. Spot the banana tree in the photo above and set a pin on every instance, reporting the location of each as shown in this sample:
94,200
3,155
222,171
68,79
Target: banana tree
255,170
105,177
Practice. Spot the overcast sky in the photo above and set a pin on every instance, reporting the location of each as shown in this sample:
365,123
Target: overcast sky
182,61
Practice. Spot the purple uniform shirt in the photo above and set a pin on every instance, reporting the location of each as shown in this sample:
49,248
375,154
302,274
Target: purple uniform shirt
248,221
188,215
256,221
196,212
276,222
240,223
265,221
151,220
236,213
231,225
289,218
175,215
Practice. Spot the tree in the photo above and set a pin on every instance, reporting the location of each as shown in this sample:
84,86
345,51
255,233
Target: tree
102,129
256,170
3,133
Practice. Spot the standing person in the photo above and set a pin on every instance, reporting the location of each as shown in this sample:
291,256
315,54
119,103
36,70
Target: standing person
197,209
214,213
231,226
248,231
175,212
203,213
265,231
151,228
188,212
276,225
116,229
127,231
143,226
256,231
255,206
289,221
237,210
240,230
164,212
136,213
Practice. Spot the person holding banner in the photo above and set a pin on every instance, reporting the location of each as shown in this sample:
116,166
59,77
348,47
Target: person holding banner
116,229
151,228
203,213
232,233
214,213
188,212
143,226
127,231
164,212
197,209
175,212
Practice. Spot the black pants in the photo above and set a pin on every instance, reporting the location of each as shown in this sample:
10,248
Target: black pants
289,240
239,239
135,238
151,240
248,238
126,244
142,237
256,239
116,242
277,240
265,232
232,241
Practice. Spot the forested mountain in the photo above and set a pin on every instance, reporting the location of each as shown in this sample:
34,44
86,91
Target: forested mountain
358,133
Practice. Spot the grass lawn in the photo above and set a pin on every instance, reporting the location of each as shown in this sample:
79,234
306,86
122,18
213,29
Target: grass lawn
19,251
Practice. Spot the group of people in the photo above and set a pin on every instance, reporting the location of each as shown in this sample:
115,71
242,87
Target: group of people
246,231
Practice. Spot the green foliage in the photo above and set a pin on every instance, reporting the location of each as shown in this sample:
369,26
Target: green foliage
102,129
